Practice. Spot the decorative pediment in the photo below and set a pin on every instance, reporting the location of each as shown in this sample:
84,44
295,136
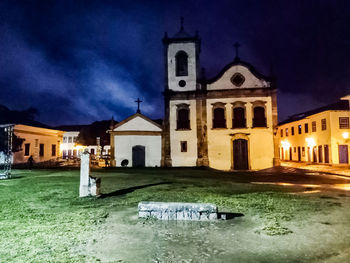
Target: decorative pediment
237,104
238,75
218,105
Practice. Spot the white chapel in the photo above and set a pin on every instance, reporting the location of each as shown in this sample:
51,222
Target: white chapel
136,142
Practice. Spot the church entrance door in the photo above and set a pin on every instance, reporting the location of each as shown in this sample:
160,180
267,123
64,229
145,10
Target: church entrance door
138,156
240,154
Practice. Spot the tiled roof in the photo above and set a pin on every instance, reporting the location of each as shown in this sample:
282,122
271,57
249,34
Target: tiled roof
340,105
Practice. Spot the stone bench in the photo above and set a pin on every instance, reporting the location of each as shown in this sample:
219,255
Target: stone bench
178,211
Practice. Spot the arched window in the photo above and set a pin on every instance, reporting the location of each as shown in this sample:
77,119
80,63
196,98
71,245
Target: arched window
181,63
259,119
183,117
219,120
239,120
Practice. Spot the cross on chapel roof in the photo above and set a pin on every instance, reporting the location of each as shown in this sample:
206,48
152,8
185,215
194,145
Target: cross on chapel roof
182,23
236,45
138,105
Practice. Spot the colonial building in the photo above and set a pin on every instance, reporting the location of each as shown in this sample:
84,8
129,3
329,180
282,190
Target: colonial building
226,122
136,141
69,148
41,143
317,136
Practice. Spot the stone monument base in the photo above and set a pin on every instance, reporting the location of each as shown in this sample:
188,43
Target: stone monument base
178,211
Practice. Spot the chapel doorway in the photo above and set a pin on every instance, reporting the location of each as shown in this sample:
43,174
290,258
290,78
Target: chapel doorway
240,154
138,156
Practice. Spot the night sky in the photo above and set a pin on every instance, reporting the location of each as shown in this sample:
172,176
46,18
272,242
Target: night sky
81,61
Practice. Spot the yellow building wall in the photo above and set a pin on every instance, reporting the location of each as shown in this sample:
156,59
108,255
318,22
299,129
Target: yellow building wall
260,139
337,134
179,158
43,136
332,137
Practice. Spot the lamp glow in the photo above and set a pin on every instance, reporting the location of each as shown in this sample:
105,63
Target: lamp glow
285,144
310,142
79,147
345,135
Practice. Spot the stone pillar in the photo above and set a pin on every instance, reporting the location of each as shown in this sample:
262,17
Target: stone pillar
98,150
202,140
112,156
89,186
276,160
84,189
249,115
166,146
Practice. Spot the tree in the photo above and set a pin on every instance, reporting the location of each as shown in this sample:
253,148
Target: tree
88,134
15,116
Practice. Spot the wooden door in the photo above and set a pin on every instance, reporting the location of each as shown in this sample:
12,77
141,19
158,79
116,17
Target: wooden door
314,154
343,154
320,159
138,156
299,154
326,154
290,153
240,154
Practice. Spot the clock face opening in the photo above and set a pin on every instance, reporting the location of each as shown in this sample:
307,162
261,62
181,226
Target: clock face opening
237,79
182,83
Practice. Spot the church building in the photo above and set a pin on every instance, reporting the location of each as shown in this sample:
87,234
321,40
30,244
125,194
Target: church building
226,122
136,142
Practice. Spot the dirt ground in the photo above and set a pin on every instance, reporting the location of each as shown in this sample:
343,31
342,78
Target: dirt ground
278,215
323,235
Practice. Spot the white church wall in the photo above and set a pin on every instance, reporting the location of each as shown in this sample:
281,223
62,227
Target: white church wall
179,158
124,144
225,81
260,139
191,79
136,123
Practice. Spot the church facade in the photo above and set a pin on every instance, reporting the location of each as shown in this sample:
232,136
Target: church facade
226,122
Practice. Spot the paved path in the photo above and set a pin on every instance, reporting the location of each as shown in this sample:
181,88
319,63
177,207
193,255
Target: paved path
339,170
313,181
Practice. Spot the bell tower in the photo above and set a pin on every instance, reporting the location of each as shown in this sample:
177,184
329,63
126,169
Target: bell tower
181,60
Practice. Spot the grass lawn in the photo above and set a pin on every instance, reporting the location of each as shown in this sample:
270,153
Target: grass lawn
42,219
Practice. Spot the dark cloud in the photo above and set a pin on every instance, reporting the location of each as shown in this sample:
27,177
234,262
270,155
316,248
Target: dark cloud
80,61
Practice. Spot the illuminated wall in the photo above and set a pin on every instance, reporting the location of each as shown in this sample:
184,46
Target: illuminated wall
324,136
40,143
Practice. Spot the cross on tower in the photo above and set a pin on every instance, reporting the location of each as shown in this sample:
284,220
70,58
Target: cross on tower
236,45
138,105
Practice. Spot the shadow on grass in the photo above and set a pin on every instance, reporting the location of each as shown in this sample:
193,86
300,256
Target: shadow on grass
229,216
130,190
12,177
